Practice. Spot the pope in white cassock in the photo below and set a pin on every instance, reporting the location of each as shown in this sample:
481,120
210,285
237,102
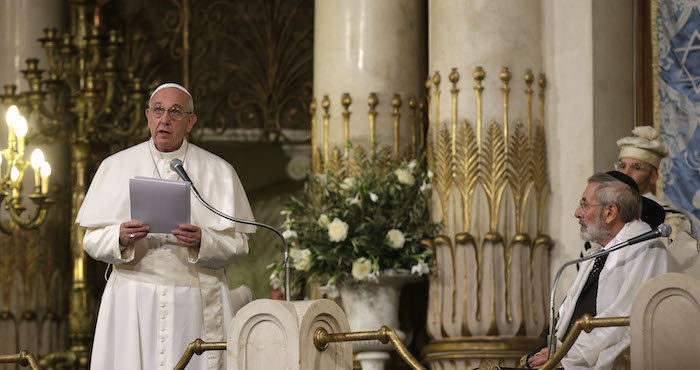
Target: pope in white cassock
608,212
166,290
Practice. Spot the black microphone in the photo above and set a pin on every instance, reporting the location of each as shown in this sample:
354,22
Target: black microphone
661,230
176,165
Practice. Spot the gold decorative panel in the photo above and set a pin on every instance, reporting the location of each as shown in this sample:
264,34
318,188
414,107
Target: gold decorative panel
488,294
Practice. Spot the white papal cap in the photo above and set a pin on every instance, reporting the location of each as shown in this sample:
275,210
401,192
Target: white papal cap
172,84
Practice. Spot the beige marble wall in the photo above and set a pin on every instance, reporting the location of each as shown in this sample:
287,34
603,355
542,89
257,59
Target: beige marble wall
588,55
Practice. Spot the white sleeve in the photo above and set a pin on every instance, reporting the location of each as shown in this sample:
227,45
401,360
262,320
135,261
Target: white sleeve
102,244
218,249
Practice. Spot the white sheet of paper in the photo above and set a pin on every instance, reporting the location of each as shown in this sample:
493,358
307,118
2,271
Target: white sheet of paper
161,204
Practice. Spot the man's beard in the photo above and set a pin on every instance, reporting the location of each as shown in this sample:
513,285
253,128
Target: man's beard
597,232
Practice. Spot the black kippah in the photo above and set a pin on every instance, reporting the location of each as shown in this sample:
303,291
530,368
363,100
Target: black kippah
652,213
624,178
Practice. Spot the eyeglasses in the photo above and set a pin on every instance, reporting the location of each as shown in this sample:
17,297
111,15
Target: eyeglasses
175,113
584,205
636,166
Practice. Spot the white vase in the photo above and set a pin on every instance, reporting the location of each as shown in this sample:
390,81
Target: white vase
369,306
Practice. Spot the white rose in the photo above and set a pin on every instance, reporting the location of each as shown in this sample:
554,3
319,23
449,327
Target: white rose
337,230
421,268
425,187
373,197
301,258
275,281
404,176
289,234
330,290
412,164
322,178
355,200
430,174
362,269
348,183
323,220
396,238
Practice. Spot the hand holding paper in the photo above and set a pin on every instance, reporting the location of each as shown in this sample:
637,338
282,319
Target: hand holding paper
129,228
189,235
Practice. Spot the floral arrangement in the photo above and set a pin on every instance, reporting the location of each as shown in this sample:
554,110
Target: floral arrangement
359,224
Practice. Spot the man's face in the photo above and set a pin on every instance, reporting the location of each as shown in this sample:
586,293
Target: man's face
166,132
641,172
589,214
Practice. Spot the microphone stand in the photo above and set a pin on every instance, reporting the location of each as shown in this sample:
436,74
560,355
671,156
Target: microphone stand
551,338
255,223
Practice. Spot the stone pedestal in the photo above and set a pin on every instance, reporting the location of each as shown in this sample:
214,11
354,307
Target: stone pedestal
269,334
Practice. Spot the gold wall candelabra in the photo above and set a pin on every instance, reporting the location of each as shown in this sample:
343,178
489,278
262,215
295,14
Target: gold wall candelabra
11,179
88,97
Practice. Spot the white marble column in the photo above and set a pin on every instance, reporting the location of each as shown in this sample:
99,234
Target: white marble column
485,60
362,47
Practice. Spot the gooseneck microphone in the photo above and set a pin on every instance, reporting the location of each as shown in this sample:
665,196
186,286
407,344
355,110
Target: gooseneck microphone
176,165
662,230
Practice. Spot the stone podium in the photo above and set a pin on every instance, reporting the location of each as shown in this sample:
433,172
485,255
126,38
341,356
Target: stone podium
270,334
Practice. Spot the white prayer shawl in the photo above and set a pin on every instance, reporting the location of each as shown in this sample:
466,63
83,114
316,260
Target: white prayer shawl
624,271
676,219
159,260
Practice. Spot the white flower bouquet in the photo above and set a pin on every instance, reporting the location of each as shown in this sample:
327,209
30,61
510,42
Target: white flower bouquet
356,225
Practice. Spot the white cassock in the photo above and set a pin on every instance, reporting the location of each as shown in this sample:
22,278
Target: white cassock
161,295
623,273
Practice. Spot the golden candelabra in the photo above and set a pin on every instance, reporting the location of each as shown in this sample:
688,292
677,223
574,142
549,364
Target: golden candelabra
11,180
88,96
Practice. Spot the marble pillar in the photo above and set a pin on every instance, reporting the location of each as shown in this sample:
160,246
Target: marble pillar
364,47
487,95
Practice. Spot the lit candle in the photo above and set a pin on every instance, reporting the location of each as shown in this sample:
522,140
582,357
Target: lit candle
11,118
14,176
37,162
45,172
21,131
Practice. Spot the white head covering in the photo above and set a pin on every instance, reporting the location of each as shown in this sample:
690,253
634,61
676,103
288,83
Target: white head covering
177,86
645,145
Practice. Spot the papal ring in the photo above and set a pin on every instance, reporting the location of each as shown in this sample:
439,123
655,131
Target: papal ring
131,236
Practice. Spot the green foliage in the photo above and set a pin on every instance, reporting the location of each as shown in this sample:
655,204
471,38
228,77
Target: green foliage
378,196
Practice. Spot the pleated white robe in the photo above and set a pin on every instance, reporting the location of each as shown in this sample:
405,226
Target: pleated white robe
161,295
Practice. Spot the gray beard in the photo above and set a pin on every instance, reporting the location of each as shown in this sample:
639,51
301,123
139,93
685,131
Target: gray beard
597,232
